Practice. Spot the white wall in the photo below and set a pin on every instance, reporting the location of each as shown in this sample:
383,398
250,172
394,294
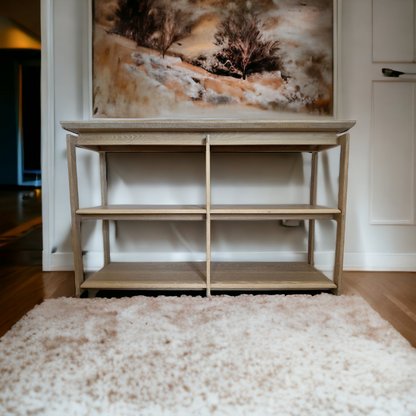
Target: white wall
179,178
396,244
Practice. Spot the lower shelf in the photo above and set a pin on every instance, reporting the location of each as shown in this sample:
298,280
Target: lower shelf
224,276
268,276
163,276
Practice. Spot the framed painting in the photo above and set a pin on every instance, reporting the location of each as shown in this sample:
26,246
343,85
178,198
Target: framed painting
201,59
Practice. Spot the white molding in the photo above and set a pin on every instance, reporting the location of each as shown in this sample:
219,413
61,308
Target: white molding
392,222
384,262
337,58
48,132
93,261
414,31
373,221
372,39
87,61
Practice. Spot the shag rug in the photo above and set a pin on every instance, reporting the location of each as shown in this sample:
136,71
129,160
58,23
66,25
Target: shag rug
245,355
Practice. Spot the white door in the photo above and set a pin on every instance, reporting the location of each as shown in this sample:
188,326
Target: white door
376,34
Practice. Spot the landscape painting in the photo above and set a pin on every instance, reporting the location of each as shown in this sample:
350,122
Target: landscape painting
184,59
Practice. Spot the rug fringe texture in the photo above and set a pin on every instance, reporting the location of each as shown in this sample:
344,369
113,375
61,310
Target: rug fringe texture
245,355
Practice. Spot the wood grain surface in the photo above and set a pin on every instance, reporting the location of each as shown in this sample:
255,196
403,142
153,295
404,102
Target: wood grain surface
143,209
324,125
269,276
273,209
172,276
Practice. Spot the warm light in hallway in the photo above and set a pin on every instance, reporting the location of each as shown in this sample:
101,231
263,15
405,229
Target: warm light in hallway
15,36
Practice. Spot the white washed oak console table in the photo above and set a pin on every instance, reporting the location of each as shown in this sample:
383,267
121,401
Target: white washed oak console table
209,136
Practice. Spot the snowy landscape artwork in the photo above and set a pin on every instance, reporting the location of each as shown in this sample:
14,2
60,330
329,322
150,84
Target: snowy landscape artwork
182,59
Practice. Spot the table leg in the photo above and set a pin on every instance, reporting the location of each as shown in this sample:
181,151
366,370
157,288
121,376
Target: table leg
76,221
314,184
342,205
208,208
104,201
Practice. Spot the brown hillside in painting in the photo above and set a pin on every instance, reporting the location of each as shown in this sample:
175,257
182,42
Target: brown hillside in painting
212,59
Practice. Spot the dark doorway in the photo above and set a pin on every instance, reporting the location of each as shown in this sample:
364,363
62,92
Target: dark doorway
20,133
31,118
30,122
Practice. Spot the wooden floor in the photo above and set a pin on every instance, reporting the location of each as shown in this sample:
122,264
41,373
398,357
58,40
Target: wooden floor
393,295
22,282
23,285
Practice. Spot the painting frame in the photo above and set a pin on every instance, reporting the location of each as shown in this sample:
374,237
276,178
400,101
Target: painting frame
88,28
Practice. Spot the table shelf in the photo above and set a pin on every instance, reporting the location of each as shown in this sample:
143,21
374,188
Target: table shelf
273,212
156,276
218,212
268,276
224,276
208,137
143,212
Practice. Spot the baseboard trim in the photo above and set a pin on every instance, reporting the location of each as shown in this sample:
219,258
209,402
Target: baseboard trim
93,261
386,262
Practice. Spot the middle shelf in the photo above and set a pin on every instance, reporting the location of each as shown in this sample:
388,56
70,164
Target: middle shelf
198,212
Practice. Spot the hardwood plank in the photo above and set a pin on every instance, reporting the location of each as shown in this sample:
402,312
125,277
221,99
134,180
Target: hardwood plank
391,294
170,276
327,125
401,305
14,211
25,287
57,282
22,289
66,288
271,276
20,231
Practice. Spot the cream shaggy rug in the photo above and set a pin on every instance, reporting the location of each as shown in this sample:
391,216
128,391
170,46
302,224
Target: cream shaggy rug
245,355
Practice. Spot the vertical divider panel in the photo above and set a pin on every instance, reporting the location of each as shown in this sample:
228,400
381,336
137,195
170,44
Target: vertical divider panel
208,208
314,184
76,222
342,206
104,201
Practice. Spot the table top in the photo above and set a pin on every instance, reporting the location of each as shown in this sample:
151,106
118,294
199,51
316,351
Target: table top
147,125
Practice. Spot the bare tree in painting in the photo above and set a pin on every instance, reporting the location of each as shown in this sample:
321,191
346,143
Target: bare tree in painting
173,25
137,20
151,23
244,49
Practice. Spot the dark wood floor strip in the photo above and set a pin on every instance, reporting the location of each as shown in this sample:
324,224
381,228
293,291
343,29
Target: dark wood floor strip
20,231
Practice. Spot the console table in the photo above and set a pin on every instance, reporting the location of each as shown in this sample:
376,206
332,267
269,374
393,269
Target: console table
208,136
